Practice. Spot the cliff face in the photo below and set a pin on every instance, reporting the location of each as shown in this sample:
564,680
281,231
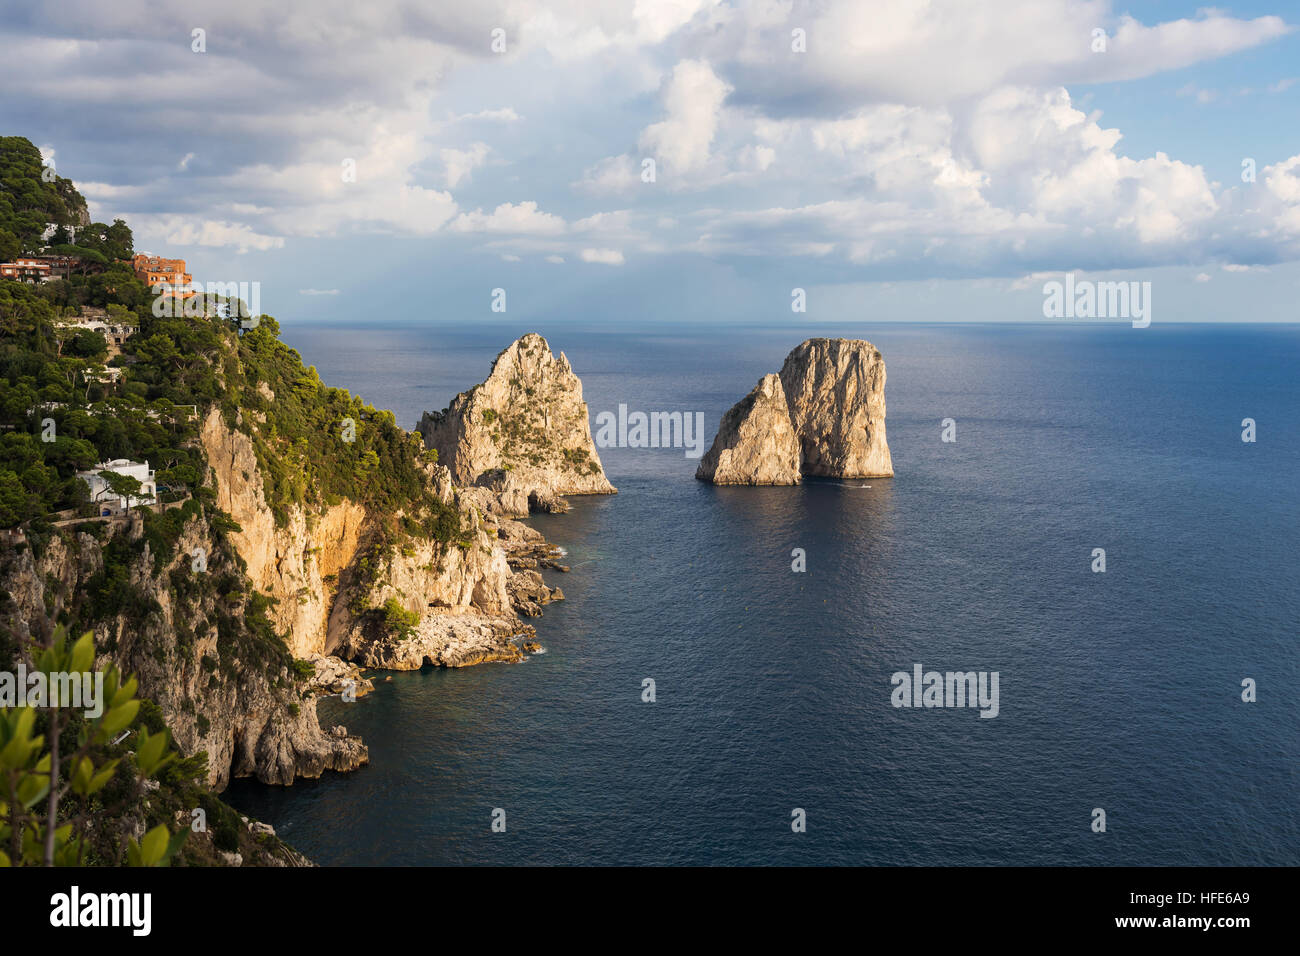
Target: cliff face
447,639
832,393
343,577
524,433
756,442
179,631
332,575
290,563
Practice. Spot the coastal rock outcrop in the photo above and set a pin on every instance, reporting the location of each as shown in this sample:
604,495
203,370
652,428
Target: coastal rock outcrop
220,688
445,639
236,616
324,567
836,392
523,434
829,398
341,589
756,442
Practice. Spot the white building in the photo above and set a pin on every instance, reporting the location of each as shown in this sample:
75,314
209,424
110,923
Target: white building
107,503
113,334
107,375
114,331
52,227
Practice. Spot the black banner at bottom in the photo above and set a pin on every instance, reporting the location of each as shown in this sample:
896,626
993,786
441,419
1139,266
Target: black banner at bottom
369,904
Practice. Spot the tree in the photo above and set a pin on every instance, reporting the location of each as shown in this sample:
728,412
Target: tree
15,502
118,242
399,620
123,486
10,245
86,343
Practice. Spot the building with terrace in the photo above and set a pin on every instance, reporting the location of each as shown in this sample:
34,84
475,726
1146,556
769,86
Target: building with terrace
155,270
29,270
109,503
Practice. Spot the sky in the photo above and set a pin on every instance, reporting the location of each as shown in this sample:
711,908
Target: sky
898,160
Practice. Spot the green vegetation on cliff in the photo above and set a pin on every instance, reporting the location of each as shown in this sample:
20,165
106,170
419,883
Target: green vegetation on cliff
70,399
59,412
319,445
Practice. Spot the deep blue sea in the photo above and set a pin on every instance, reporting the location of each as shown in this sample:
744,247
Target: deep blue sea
1119,690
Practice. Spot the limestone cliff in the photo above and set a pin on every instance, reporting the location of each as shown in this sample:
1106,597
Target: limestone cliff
342,588
524,433
833,391
294,564
210,603
221,687
756,442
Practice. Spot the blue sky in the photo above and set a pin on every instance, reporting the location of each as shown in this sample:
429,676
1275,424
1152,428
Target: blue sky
916,161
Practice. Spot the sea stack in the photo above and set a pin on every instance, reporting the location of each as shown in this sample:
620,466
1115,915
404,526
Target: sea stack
830,398
523,434
756,442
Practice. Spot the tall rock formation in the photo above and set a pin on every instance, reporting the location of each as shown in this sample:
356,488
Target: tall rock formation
829,399
523,434
756,442
836,392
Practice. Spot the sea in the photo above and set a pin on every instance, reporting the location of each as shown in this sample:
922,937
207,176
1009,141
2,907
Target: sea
1159,696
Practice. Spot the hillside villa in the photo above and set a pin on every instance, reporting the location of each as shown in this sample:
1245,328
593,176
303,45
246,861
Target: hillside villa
98,320
109,504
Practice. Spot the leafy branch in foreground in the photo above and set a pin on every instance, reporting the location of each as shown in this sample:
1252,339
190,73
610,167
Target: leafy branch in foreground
35,778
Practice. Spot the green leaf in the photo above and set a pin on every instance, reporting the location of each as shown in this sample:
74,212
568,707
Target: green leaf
124,693
119,717
19,748
80,776
150,751
32,789
83,654
101,779
154,845
174,844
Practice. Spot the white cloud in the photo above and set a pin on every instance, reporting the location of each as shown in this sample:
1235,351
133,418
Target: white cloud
607,257
522,219
461,162
504,115
613,174
170,230
692,98
939,138
943,51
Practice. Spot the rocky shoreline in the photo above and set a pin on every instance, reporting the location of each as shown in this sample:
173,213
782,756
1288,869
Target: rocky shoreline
513,446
